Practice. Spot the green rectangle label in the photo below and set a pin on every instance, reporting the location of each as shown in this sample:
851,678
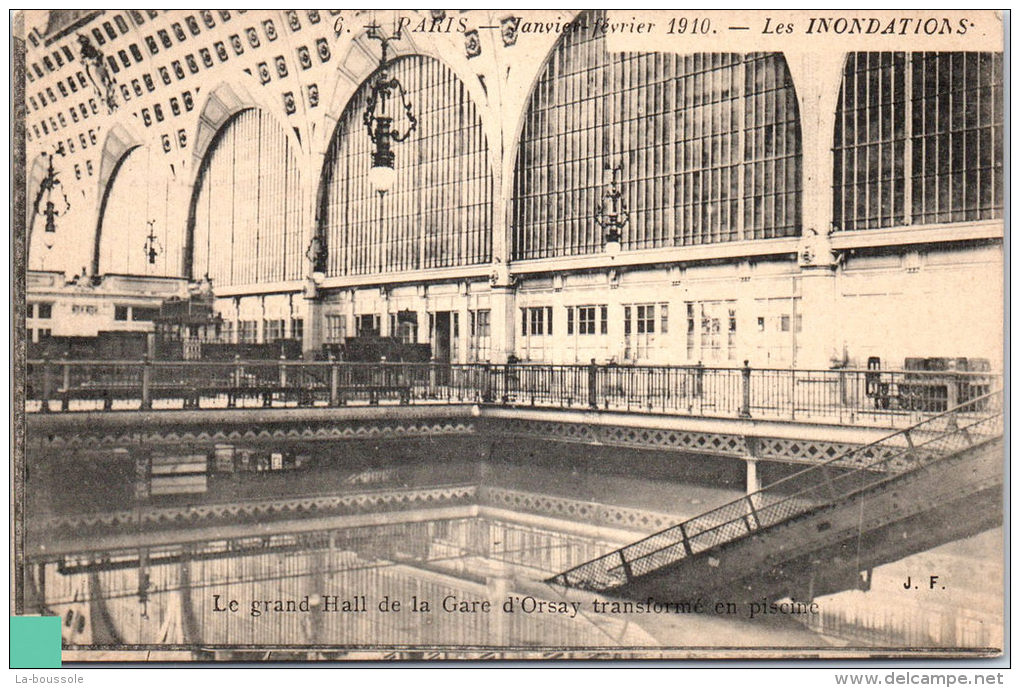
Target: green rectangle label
35,642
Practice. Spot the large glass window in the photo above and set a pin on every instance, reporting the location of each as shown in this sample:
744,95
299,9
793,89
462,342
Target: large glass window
918,139
439,211
708,145
247,215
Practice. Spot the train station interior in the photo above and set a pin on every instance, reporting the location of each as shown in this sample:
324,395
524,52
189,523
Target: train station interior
441,305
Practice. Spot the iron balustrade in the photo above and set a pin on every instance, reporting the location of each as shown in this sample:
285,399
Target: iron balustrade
875,398
968,425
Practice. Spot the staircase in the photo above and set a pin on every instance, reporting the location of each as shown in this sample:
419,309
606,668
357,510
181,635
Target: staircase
816,530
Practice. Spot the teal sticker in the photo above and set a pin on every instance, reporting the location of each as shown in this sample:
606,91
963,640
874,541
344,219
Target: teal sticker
35,642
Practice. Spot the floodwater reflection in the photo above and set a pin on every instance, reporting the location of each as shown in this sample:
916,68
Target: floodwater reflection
467,582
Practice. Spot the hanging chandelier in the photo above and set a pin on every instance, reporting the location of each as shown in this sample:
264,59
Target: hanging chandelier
611,214
379,117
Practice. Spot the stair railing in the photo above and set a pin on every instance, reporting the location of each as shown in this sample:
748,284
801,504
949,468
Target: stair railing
969,424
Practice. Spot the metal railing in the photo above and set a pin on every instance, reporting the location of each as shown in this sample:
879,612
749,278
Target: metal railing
842,396
938,437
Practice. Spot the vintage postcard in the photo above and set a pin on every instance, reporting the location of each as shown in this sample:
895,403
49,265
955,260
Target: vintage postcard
523,334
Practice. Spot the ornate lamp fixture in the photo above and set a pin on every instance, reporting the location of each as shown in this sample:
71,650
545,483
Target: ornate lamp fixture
52,189
379,115
611,214
316,255
152,246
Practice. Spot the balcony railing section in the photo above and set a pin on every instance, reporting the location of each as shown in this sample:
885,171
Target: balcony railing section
874,398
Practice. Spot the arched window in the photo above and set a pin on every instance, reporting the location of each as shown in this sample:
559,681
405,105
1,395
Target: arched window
708,144
137,193
439,211
918,140
247,208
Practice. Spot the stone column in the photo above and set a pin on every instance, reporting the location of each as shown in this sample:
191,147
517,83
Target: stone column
503,310
817,79
311,310
753,484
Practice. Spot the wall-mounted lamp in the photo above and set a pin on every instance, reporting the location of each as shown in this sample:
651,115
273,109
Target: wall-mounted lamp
152,246
316,255
611,214
379,115
56,203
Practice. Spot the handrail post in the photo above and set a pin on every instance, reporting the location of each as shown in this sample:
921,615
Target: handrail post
66,386
745,384
334,382
47,384
911,450
593,382
753,511
506,383
235,382
146,382
686,540
626,566
487,384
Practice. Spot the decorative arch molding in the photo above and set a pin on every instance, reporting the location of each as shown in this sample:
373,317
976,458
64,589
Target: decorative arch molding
120,142
360,61
514,135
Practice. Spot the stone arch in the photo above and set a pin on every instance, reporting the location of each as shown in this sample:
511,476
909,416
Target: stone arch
119,143
222,104
396,246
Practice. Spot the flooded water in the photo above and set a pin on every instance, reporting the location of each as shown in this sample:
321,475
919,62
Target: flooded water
450,554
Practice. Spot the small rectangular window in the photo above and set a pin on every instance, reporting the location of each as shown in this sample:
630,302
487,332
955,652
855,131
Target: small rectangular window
44,311
120,312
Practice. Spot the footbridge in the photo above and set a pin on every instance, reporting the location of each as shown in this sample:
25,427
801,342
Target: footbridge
822,529
752,414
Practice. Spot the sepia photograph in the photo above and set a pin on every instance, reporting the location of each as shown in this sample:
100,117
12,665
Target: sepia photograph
413,335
